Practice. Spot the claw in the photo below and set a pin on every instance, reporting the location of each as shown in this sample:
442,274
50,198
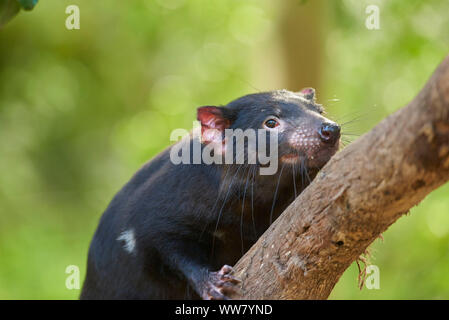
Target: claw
225,269
220,284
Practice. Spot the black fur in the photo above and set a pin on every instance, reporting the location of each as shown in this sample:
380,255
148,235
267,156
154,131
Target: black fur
191,219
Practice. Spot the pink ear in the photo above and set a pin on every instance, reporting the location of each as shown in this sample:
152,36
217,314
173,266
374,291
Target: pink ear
308,93
212,122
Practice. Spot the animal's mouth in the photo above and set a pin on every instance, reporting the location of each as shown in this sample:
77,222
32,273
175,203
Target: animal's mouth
290,158
319,158
312,157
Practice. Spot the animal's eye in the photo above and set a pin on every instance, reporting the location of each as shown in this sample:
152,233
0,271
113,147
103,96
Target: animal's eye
271,123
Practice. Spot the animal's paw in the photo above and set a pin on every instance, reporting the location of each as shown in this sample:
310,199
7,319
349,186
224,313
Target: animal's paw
221,284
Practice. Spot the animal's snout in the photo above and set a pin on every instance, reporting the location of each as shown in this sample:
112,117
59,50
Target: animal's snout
329,132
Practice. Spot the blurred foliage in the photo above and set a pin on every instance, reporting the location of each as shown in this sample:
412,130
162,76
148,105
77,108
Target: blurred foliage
81,110
9,8
28,4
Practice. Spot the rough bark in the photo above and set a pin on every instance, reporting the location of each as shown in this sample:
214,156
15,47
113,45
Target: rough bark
363,190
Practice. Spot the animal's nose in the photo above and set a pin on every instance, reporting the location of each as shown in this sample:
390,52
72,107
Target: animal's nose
329,132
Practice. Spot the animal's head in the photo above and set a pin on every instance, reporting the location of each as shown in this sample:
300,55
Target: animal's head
304,135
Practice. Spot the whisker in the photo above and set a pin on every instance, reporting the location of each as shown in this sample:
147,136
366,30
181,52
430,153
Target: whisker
301,168
252,200
346,140
216,202
243,208
307,173
275,194
350,134
359,114
223,205
294,179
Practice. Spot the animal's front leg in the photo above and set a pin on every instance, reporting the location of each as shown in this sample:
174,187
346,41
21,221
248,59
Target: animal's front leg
219,285
208,284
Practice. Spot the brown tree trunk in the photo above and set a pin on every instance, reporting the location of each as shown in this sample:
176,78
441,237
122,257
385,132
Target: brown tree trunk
355,197
301,25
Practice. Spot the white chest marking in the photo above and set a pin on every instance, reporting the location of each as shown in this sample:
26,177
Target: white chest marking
129,240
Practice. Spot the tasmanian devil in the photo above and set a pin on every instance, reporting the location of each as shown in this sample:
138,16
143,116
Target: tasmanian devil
173,230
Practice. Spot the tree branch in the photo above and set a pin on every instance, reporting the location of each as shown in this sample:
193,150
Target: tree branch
355,197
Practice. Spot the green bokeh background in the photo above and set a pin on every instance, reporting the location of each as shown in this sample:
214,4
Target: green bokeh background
82,110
